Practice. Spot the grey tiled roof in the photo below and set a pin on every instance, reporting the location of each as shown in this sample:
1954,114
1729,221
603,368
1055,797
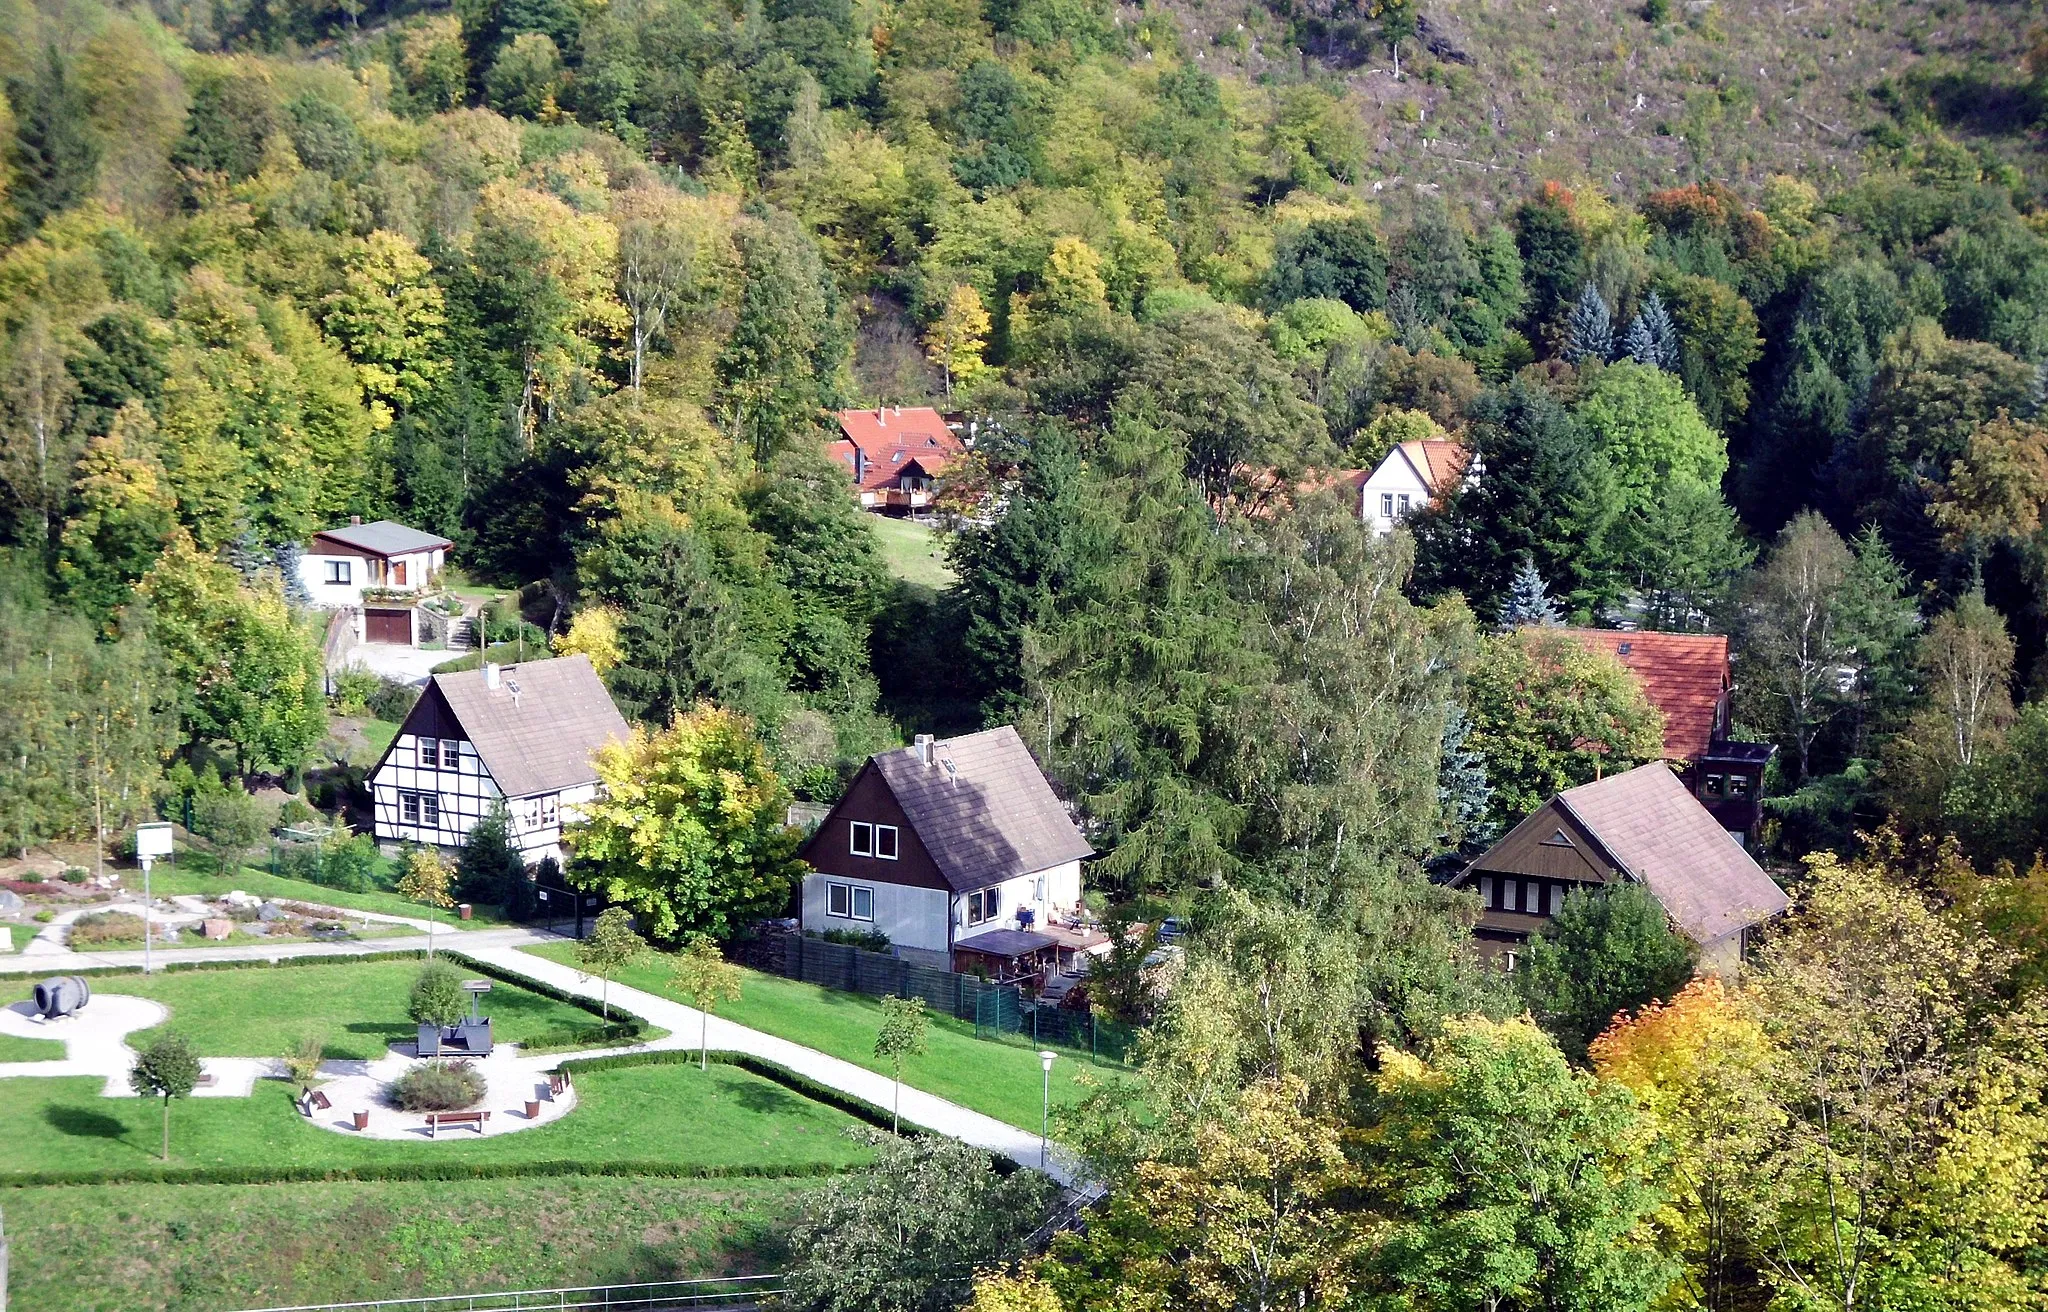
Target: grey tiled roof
982,809
385,537
1659,831
544,737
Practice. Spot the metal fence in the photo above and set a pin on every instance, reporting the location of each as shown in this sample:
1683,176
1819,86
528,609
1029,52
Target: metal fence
997,1011
735,1292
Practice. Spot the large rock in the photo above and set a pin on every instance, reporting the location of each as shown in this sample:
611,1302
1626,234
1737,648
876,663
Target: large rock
216,929
10,901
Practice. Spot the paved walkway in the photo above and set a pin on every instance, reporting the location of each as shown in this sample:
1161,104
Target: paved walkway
60,959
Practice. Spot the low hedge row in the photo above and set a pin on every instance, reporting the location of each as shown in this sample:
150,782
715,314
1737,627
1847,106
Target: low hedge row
413,1171
257,963
858,1108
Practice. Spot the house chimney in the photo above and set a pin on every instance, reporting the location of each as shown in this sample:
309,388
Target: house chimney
355,519
881,416
923,744
490,674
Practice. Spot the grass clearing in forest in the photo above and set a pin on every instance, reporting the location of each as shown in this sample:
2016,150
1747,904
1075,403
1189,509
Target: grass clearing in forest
910,550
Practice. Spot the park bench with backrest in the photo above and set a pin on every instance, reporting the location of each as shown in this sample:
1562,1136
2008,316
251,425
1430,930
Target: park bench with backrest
435,1120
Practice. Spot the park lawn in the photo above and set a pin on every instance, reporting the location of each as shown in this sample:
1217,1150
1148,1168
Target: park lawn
378,734
910,552
200,1248
175,881
998,1079
359,1006
191,938
676,1115
18,1049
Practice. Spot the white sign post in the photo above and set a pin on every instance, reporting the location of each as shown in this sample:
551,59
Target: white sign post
151,842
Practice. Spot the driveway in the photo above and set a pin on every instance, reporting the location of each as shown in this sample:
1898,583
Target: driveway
409,665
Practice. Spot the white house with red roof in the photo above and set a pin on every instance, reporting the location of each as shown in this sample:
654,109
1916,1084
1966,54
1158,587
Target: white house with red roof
896,454
1411,478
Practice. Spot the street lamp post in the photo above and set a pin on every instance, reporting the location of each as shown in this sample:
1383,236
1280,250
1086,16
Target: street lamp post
1045,1060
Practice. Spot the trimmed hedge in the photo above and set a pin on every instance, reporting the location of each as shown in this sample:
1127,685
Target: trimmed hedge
254,963
416,1171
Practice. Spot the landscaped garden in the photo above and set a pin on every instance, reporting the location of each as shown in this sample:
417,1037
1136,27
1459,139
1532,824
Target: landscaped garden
184,878
200,1248
358,1007
1002,1080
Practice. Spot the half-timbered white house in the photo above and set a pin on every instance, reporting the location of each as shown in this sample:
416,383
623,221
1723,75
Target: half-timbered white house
524,734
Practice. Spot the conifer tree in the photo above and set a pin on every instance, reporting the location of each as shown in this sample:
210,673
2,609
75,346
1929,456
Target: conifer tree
1591,331
1651,338
1528,601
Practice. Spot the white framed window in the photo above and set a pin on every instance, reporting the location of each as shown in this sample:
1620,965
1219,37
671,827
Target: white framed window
550,810
451,753
1401,503
339,571
409,808
420,809
885,842
862,842
850,901
1486,891
1738,785
984,906
1386,505
430,753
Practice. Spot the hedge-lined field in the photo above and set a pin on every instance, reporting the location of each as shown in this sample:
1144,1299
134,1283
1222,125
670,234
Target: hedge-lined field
359,1006
200,1248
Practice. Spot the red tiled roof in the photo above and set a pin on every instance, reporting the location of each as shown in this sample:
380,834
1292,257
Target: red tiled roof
1685,675
1438,460
882,443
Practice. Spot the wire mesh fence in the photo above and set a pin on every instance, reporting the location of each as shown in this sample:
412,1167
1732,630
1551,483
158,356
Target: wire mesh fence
999,1012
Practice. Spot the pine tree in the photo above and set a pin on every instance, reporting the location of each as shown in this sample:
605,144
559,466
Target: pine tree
1591,332
1652,339
1528,601
1461,786
2037,391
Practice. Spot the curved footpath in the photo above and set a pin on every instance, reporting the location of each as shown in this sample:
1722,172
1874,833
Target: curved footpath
500,948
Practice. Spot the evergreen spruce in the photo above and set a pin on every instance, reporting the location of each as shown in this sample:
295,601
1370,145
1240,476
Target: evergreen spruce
2037,391
286,559
1652,339
1590,334
1461,785
1528,601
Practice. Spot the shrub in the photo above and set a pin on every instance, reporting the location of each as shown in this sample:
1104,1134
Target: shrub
75,875
296,811
349,863
437,997
101,927
44,917
353,689
867,940
299,861
392,701
31,877
434,1087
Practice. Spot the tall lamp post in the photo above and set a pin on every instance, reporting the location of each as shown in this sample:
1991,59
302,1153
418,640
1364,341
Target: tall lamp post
151,842
1045,1060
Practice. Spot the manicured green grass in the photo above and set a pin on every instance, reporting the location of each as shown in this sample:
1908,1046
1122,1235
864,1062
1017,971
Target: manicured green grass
173,881
191,938
677,1115
910,551
200,1248
998,1079
360,1007
16,936
378,734
498,653
14,1049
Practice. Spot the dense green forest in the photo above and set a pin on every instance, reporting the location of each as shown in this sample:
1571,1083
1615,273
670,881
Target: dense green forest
577,283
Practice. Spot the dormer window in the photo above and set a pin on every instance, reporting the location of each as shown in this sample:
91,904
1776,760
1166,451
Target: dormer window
895,457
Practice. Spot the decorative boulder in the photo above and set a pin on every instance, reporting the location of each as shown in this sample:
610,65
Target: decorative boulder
10,901
270,912
216,929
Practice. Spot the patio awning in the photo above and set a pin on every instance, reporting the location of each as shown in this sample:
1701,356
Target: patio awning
1006,943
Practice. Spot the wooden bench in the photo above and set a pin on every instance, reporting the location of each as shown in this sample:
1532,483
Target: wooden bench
207,1082
319,1101
435,1120
557,1081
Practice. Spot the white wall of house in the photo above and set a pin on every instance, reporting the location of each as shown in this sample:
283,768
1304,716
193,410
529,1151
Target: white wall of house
913,918
1056,891
1393,492
336,581
438,805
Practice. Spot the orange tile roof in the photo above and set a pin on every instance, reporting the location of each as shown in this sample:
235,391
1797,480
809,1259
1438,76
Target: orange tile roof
881,443
1685,675
1438,460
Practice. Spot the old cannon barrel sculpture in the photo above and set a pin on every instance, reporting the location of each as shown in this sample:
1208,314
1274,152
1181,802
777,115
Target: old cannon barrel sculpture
62,995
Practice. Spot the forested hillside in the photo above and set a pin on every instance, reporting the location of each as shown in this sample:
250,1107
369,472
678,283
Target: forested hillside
1741,309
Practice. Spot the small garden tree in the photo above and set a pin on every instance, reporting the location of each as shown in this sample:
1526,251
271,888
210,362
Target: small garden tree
611,947
166,1069
706,978
1606,951
302,1059
903,1029
489,867
425,880
231,822
438,997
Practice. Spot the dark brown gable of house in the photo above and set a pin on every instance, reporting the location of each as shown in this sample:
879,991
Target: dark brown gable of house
429,718
830,849
1549,844
322,545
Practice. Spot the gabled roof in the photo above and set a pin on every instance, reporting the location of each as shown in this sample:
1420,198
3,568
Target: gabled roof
1659,834
881,442
384,537
982,808
538,731
1685,675
1438,462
